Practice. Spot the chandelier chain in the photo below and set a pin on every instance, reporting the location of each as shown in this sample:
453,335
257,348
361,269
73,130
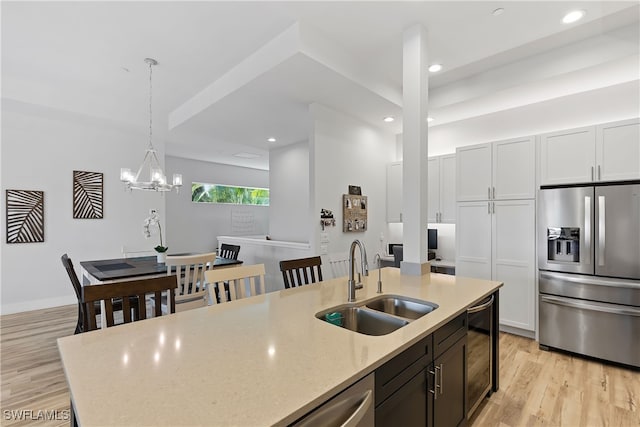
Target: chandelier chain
150,103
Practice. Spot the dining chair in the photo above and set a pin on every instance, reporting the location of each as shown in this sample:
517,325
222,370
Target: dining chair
191,289
132,252
125,291
339,264
243,282
77,287
303,271
229,251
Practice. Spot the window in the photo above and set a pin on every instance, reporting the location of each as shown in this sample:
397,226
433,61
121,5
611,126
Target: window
216,193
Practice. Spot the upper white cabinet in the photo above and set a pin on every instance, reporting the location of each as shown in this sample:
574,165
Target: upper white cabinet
442,189
618,150
568,156
502,170
394,192
607,152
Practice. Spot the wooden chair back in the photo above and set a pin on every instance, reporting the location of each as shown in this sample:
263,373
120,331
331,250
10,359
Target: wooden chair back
191,290
229,251
303,271
242,282
124,290
77,287
132,252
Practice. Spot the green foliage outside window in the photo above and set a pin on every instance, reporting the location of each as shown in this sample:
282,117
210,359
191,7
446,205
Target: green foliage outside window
214,193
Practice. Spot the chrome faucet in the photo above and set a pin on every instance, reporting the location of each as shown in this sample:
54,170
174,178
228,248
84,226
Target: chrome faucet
378,260
352,285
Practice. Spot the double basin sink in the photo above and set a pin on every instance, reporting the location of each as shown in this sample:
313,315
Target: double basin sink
377,316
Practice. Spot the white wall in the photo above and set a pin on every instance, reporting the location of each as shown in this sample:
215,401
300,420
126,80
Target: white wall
195,227
344,151
41,148
289,193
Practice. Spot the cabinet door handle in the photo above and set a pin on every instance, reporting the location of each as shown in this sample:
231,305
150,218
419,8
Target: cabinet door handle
592,173
436,386
400,216
493,196
441,385
493,206
599,176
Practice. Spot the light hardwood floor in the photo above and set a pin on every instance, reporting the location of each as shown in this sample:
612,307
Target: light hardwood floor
536,387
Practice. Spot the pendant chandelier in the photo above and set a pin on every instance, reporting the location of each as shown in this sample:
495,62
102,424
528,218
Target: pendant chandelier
157,179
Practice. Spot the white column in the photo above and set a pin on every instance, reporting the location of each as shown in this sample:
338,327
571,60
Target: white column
414,151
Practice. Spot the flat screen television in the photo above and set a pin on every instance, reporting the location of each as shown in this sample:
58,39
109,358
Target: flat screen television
432,238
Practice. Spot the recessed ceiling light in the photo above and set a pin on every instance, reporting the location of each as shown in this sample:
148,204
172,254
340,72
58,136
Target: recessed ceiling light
434,68
271,139
429,119
498,11
573,16
244,155
388,119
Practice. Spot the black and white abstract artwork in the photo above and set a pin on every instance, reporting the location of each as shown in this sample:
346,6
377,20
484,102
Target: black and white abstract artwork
25,216
87,195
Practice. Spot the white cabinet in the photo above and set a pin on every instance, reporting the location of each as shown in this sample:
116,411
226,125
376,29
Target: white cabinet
394,192
607,152
473,240
513,260
568,156
495,240
473,171
441,194
618,151
442,189
495,223
514,171
500,170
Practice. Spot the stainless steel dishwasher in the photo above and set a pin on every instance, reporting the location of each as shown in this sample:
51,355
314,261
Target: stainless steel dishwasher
479,353
352,407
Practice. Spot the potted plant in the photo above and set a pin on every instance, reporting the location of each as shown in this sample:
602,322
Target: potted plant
154,220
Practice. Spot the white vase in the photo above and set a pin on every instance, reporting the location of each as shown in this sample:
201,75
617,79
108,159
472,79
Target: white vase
161,257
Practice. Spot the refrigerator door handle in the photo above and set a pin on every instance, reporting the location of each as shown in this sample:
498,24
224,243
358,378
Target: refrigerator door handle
592,306
587,229
601,230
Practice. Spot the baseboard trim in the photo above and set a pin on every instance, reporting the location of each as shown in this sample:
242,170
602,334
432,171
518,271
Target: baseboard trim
518,331
37,304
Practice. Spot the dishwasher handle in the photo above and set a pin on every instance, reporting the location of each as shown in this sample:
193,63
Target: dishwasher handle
480,307
334,413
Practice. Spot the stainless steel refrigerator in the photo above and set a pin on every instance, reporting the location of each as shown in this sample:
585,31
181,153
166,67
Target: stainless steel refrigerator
589,270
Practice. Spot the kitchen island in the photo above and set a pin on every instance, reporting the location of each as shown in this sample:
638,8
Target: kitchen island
265,360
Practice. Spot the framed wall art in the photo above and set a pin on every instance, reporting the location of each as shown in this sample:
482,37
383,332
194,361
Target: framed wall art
354,213
87,195
25,216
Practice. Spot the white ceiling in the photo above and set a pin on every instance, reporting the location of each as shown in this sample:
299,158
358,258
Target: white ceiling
231,74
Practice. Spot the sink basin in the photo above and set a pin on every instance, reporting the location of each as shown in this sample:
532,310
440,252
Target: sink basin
402,306
361,320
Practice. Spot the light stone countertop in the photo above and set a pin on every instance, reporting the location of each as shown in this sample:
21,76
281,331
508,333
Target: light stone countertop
260,361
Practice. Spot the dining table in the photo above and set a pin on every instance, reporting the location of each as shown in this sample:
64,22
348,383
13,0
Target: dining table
121,269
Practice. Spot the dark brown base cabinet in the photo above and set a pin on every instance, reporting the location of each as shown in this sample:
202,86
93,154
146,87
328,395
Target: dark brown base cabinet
425,385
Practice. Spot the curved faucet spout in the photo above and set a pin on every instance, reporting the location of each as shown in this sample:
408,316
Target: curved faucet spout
363,264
